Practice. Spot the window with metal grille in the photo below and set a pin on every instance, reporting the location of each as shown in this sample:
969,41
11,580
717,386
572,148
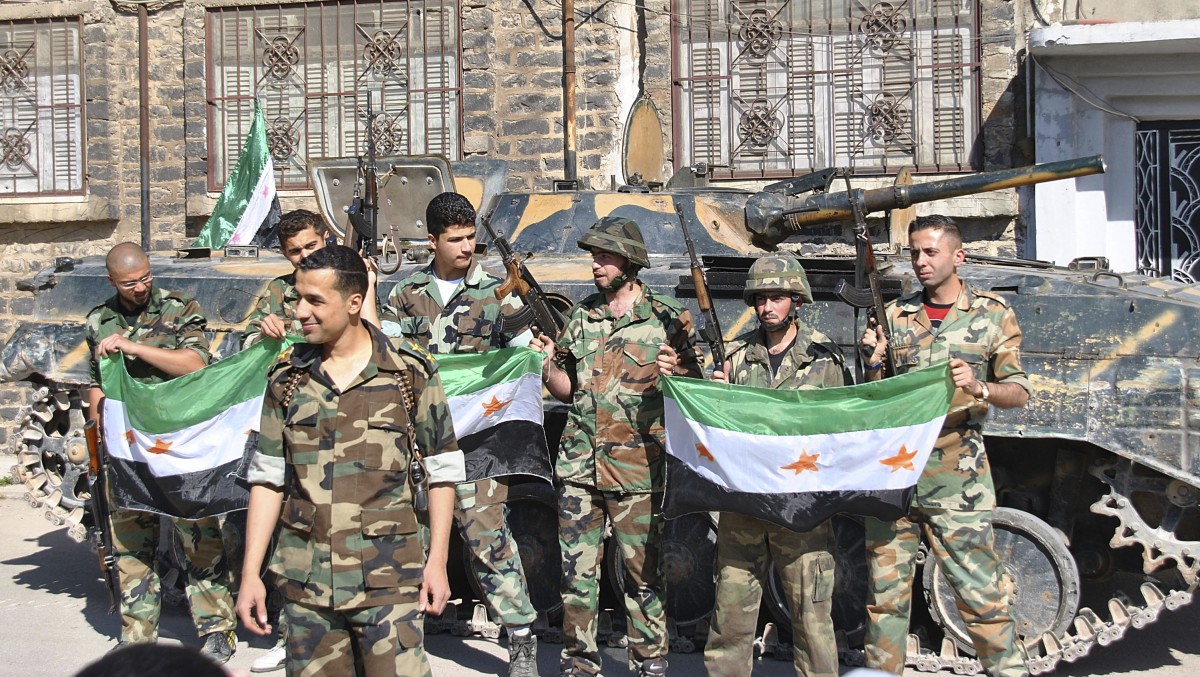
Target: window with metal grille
783,87
313,66
41,107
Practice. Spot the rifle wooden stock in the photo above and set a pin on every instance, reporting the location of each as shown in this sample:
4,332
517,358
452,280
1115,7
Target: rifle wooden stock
91,435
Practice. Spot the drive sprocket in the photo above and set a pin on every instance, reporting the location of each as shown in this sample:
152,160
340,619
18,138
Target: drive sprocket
52,457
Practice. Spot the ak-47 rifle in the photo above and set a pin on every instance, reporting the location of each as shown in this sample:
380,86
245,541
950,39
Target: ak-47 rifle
710,326
518,279
364,210
98,505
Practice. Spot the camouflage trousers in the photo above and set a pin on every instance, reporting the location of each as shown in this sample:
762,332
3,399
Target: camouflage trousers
961,541
374,641
135,535
746,547
479,512
637,526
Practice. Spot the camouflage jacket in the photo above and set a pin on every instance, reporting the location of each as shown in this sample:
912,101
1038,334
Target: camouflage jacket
814,361
614,433
169,320
470,321
280,300
982,330
348,536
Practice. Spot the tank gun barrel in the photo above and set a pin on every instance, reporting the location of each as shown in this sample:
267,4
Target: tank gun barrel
772,217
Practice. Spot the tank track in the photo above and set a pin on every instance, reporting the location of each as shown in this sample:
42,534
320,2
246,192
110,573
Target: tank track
52,458
1159,545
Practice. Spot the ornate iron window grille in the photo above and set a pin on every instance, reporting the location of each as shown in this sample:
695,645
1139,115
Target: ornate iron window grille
782,87
41,107
1167,199
312,65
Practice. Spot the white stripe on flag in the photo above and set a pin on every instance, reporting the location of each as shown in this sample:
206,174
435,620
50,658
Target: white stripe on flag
199,447
868,460
258,207
517,400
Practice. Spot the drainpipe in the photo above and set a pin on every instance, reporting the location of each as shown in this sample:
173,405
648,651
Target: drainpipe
144,118
568,21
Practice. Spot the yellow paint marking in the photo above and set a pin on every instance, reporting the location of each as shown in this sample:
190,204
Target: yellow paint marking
1130,345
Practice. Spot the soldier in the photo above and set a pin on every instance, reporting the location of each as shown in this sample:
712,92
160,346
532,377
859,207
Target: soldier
615,344
978,333
342,417
781,353
161,336
450,307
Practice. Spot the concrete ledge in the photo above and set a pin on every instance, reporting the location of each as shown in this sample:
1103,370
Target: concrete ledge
33,211
40,9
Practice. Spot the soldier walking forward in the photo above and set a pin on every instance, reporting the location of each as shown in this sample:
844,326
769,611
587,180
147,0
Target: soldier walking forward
611,456
342,417
161,336
978,333
451,307
780,353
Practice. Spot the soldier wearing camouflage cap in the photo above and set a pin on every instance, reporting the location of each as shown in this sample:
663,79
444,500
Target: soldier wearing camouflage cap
343,418
947,319
160,334
780,353
612,350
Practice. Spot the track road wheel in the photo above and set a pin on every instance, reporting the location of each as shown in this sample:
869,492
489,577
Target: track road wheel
688,561
1043,577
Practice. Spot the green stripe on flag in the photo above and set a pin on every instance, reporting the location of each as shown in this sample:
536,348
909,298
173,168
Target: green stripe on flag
239,187
471,372
160,408
914,398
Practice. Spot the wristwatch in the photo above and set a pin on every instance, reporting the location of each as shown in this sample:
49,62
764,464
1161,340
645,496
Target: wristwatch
983,396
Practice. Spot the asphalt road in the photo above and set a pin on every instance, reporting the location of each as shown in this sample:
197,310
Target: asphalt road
54,620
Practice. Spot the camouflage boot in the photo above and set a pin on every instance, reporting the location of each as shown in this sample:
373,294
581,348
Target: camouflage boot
522,655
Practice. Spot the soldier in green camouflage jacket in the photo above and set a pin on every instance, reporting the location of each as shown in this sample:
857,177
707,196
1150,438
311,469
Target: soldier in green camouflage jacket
161,336
780,353
611,456
341,417
450,306
978,333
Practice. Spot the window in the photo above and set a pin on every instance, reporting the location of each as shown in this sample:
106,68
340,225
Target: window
782,87
41,107
313,65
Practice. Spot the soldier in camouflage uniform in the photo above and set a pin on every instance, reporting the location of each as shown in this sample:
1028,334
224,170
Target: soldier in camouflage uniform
978,333
161,336
780,353
301,233
451,307
610,460
341,417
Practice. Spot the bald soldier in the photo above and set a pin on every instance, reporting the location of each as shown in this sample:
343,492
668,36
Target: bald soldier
160,335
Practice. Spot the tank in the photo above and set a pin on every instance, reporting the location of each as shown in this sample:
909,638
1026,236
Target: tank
1097,477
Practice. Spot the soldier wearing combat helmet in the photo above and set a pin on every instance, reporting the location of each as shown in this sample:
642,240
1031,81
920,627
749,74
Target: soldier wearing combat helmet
780,353
612,350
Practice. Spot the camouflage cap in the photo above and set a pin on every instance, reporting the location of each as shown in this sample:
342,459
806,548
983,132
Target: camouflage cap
777,273
617,235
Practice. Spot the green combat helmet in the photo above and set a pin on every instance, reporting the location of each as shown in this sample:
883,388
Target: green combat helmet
617,235
775,274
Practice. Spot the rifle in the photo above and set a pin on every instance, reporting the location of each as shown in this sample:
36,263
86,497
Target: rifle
710,326
364,209
518,279
106,550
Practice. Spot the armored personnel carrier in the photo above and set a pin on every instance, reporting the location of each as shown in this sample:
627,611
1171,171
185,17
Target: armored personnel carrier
1098,477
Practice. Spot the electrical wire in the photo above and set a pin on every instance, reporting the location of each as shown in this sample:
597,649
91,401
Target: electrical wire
1073,86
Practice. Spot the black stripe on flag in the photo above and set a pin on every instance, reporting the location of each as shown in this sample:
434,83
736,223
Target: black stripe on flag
510,448
204,493
688,492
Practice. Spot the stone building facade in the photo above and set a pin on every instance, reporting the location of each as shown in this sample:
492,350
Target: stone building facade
507,103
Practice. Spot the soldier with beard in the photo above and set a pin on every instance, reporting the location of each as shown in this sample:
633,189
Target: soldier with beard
606,365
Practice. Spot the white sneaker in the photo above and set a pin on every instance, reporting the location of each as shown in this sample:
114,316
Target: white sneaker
270,661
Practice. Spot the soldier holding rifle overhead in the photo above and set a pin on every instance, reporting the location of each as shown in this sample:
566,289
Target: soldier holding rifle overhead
609,357
976,330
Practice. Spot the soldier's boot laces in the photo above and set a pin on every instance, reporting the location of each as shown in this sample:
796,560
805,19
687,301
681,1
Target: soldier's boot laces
522,655
652,667
219,645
